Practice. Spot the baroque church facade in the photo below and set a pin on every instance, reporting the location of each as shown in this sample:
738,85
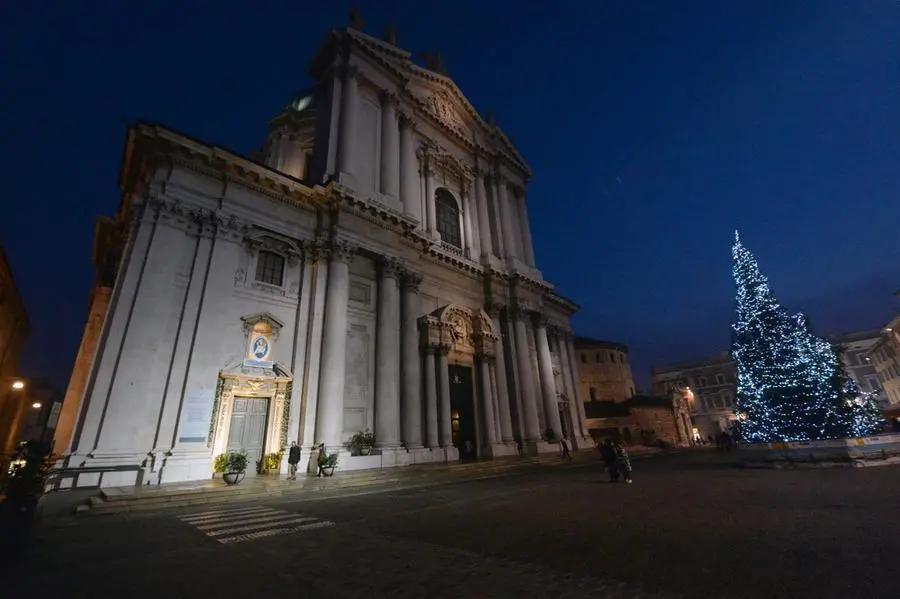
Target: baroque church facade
371,268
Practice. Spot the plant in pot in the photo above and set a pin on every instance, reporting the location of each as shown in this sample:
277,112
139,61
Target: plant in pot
20,506
236,467
220,463
327,463
362,442
273,461
550,436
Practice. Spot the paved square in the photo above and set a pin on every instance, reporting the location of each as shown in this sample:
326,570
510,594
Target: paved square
691,525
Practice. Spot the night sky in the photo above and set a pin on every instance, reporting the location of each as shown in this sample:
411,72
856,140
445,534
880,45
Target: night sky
654,129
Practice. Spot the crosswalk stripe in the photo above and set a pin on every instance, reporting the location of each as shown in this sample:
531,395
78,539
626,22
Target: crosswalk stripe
256,527
240,518
261,521
273,532
248,523
218,513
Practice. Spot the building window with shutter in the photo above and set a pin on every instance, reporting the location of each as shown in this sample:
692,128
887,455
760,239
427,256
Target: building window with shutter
270,268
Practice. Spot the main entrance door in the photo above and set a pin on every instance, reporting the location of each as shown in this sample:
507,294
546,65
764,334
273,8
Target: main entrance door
248,429
462,411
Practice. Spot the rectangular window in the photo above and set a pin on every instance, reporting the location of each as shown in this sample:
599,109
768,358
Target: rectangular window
701,381
720,379
270,269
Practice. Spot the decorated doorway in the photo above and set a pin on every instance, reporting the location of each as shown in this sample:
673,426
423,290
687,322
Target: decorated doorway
462,411
247,430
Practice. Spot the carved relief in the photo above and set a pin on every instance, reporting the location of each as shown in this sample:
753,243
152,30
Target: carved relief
461,330
441,105
360,293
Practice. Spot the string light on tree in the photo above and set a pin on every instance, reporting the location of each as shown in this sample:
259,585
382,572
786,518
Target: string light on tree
791,384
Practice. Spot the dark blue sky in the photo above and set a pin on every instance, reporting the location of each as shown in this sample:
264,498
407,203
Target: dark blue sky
654,129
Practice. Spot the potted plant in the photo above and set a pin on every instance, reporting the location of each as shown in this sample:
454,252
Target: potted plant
327,463
220,463
21,499
550,436
236,467
273,461
362,442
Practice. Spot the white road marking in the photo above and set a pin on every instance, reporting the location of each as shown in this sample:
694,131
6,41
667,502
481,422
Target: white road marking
247,524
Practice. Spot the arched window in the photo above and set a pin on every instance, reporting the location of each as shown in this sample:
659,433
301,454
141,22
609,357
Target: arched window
447,215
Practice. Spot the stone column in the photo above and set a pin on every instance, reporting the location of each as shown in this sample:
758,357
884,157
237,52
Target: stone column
510,221
484,223
562,350
349,101
387,357
429,196
529,407
467,222
410,191
431,402
444,411
498,217
574,373
498,431
412,364
390,147
330,413
500,373
525,227
487,400
545,370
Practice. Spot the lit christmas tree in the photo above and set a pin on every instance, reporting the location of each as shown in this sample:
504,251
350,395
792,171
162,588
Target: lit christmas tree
791,384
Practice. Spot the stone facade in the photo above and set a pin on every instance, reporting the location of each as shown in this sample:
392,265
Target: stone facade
642,419
855,348
603,370
710,387
372,269
14,330
884,357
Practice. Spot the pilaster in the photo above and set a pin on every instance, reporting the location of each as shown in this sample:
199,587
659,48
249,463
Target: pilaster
446,433
529,406
390,147
545,369
410,192
347,138
387,356
484,223
503,410
411,365
431,401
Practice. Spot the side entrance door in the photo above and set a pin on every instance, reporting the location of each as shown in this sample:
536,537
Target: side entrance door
462,411
248,429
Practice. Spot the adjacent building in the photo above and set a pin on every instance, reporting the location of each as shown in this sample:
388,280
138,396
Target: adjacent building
884,357
14,330
856,351
710,387
372,267
604,372
642,419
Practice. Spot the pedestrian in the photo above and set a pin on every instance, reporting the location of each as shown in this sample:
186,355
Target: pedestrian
623,462
564,448
320,459
608,452
293,460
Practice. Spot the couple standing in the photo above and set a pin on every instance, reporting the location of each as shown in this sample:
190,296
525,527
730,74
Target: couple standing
616,459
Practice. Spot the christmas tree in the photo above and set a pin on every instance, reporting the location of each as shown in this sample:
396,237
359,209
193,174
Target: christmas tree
791,384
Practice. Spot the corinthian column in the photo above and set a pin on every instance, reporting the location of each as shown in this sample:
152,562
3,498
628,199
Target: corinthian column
487,400
570,346
429,196
562,351
500,373
412,364
330,412
390,147
431,402
444,411
545,367
484,223
510,221
349,101
409,180
525,228
387,357
526,380
499,232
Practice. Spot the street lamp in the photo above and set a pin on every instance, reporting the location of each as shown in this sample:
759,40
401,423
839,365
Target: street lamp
36,405
18,385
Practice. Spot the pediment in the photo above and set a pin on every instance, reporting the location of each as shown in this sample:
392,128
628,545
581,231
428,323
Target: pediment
438,95
265,317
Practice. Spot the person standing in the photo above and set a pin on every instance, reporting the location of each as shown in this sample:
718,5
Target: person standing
608,453
293,460
564,448
623,462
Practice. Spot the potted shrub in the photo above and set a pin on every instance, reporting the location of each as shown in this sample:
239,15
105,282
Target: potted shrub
273,461
236,468
550,436
362,442
327,463
21,499
220,463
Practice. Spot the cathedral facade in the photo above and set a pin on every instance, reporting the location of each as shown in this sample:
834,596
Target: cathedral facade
371,268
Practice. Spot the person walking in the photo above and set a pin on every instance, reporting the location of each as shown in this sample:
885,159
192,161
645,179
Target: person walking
564,448
623,461
608,453
293,460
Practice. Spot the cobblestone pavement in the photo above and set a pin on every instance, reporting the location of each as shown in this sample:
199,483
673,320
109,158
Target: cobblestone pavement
691,525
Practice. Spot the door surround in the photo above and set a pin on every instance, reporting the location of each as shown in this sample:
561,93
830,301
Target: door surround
276,389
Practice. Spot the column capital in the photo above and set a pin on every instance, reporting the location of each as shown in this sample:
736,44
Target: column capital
540,320
519,311
411,281
406,120
342,250
494,309
388,98
350,71
390,268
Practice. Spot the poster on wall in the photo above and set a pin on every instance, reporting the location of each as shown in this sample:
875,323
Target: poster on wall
195,416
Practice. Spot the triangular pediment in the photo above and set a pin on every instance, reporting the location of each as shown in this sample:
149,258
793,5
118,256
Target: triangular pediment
439,96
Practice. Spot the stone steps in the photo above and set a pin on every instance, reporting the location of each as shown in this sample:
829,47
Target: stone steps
130,500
